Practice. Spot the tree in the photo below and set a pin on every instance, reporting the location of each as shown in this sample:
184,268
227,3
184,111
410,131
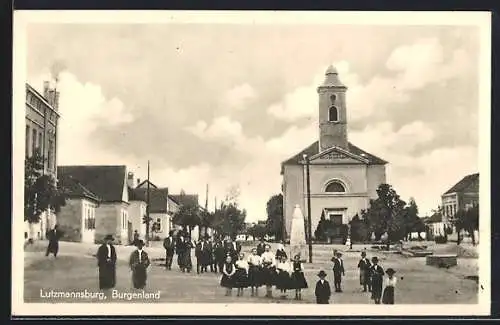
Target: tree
231,220
359,228
275,217
41,192
387,214
258,231
188,215
320,232
467,220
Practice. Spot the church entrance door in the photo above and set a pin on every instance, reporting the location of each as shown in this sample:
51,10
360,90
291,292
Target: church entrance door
337,232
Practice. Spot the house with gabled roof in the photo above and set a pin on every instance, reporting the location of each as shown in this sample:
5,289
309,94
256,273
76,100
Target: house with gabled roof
461,196
343,177
109,184
76,219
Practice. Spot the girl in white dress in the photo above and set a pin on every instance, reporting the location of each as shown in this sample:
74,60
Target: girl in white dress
268,270
390,285
254,272
283,280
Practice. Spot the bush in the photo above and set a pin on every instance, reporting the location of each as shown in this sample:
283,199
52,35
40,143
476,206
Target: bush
440,240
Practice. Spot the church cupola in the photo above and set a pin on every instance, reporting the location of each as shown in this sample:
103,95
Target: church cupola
332,111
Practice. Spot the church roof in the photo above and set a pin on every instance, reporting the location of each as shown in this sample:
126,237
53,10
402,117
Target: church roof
332,79
313,149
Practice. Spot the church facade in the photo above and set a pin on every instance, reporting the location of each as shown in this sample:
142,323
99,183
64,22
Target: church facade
343,177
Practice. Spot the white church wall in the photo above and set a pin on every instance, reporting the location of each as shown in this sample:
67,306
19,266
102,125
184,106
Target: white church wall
354,177
354,204
375,175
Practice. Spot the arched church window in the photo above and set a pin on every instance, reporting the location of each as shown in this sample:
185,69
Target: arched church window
335,187
333,114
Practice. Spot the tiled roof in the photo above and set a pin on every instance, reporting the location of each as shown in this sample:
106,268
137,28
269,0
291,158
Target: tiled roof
144,184
464,183
185,199
106,182
313,149
157,198
73,188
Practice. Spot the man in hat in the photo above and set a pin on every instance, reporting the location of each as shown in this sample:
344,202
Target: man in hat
322,291
364,267
139,262
377,277
199,252
338,271
106,261
169,245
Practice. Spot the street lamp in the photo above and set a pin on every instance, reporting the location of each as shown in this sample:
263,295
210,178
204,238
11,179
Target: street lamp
309,226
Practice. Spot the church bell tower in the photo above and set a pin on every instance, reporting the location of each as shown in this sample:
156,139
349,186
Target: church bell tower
332,112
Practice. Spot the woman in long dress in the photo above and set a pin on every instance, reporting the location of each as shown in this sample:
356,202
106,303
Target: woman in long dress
283,280
390,285
241,274
298,279
254,272
268,270
228,271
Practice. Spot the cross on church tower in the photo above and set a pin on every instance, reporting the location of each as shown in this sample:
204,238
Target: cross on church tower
332,112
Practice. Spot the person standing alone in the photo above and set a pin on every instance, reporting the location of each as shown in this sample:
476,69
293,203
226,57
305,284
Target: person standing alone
338,271
139,263
53,236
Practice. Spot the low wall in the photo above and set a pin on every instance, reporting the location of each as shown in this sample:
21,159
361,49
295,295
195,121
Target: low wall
441,260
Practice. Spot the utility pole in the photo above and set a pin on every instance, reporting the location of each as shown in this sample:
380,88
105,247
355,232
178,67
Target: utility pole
147,211
205,213
309,226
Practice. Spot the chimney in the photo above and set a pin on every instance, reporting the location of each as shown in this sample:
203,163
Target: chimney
130,180
138,181
56,100
46,90
50,97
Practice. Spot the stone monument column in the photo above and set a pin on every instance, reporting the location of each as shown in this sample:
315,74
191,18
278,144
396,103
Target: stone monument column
298,243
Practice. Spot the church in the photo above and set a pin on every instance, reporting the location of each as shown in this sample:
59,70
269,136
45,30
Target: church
343,177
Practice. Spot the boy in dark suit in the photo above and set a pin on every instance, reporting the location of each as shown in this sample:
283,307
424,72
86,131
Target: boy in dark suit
169,245
338,271
323,291
364,266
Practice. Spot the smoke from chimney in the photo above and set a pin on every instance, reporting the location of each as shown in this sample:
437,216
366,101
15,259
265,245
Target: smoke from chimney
56,68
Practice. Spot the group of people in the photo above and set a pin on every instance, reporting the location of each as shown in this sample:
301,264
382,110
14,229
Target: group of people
371,278
264,268
106,261
210,254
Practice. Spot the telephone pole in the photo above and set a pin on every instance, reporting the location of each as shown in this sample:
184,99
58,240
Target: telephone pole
148,219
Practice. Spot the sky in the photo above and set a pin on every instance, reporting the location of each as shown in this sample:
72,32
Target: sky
225,104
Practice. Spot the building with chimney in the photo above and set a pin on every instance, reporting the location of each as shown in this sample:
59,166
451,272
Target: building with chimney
343,177
42,116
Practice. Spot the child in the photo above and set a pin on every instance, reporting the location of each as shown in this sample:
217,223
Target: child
390,284
323,291
338,271
228,271
280,252
241,274
298,280
377,275
283,281
268,270
364,266
254,271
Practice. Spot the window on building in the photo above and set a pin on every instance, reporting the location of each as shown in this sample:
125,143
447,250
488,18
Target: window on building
158,224
40,141
89,217
34,141
335,187
333,98
33,101
27,141
333,114
50,155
